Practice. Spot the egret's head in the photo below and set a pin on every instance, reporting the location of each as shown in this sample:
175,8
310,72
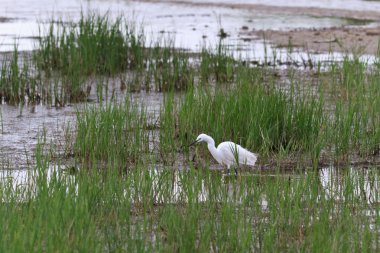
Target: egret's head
200,138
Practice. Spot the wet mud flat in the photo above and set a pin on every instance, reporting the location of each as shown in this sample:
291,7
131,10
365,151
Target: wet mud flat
338,39
360,35
26,125
253,30
100,162
345,30
22,127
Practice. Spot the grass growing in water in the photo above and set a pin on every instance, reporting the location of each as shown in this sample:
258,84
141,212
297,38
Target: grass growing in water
195,210
171,69
216,64
260,118
17,79
98,45
354,97
112,136
95,45
142,209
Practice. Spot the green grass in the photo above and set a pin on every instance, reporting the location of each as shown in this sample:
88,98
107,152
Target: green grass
18,80
101,46
95,45
111,136
216,64
354,97
261,118
125,192
335,122
171,69
189,211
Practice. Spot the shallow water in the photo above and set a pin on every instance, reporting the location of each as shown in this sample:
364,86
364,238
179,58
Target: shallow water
357,5
190,26
22,127
365,181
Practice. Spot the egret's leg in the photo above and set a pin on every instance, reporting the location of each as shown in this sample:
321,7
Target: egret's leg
228,169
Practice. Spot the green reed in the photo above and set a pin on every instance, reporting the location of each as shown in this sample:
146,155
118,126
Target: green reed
153,210
353,98
260,118
112,136
95,45
18,80
171,69
168,129
216,63
125,196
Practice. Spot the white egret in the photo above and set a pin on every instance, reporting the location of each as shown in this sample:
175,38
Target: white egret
228,153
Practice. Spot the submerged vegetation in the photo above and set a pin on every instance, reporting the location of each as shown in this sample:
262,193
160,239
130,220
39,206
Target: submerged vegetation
118,186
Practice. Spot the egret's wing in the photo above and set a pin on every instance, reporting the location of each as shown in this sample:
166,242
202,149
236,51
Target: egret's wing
226,151
246,157
232,152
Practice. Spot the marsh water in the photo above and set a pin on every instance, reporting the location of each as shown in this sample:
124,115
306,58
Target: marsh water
192,26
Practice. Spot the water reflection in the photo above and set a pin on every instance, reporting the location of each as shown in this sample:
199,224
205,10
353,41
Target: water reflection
363,183
22,184
174,186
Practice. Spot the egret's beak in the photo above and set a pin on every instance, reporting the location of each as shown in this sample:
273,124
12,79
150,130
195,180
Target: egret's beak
194,142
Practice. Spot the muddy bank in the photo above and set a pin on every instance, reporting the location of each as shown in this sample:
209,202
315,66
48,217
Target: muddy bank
359,35
337,39
273,9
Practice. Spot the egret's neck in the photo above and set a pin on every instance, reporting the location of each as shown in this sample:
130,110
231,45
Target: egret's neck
210,141
214,152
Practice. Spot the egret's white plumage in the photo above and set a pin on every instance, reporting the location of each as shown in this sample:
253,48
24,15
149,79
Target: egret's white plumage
228,153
